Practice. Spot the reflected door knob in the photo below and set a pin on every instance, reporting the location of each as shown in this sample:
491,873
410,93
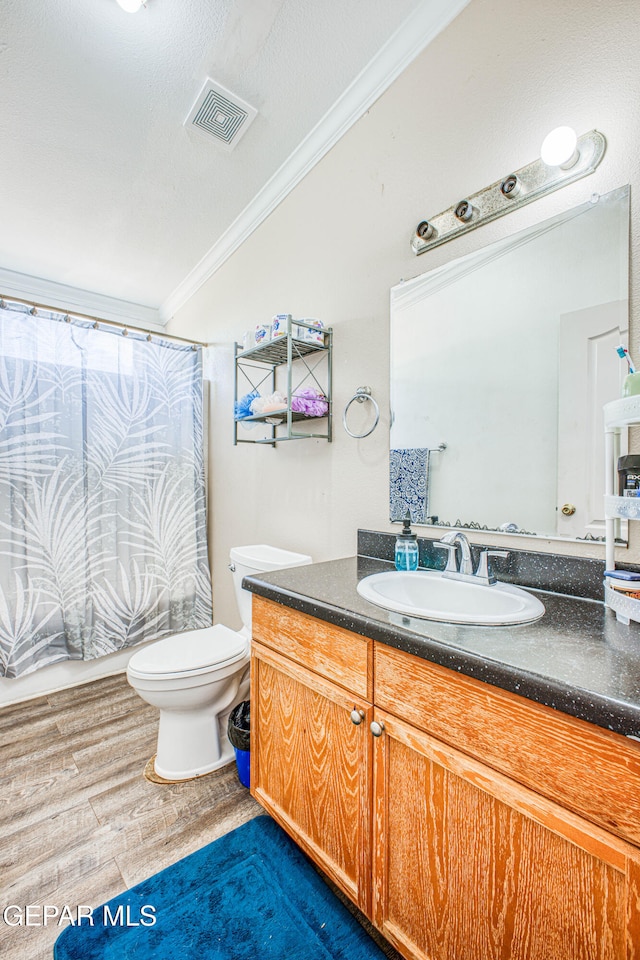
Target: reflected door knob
568,509
377,729
357,716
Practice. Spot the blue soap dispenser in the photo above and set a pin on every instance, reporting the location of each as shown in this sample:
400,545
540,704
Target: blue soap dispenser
406,546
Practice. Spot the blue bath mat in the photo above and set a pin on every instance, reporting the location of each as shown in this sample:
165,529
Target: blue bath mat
251,895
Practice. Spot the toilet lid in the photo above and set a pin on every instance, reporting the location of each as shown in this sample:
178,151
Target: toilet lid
191,653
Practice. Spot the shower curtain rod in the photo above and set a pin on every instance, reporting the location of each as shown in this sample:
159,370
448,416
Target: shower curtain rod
100,320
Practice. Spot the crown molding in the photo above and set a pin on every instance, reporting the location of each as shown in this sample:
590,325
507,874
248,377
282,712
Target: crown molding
409,40
74,300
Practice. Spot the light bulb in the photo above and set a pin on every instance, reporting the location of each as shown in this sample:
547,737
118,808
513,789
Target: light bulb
559,148
130,6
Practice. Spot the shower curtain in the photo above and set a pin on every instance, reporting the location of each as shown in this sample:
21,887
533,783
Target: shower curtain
102,497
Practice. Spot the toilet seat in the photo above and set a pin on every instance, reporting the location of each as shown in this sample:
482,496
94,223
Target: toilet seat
189,654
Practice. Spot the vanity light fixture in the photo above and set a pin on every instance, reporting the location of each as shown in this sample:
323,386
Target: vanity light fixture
464,211
425,230
564,158
511,187
131,6
559,148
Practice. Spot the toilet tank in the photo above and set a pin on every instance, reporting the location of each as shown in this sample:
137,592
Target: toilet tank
258,558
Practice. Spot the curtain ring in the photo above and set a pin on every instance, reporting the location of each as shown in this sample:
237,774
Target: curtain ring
361,394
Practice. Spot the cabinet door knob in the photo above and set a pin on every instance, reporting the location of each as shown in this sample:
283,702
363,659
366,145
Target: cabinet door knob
357,716
377,729
568,509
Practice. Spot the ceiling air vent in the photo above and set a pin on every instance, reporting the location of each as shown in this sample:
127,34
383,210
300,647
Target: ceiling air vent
220,115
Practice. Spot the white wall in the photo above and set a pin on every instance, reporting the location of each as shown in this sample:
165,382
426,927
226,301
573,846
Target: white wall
473,107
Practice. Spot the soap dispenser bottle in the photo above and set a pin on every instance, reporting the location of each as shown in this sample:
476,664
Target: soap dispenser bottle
406,546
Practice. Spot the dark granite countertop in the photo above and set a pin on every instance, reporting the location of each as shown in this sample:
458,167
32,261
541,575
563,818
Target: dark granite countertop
577,659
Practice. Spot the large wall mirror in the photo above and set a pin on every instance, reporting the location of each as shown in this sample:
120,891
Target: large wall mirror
501,362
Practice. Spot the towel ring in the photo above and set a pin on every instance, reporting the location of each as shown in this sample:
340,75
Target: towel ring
361,394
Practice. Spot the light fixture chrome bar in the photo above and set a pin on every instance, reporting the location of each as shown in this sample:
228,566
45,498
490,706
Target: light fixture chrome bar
515,190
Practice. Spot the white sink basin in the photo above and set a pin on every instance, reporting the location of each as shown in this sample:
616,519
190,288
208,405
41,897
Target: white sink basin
430,596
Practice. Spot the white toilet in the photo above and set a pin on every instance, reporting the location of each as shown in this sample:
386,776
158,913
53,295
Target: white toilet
196,678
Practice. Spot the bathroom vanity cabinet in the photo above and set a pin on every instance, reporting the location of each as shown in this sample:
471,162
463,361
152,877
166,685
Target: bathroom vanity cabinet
472,823
310,765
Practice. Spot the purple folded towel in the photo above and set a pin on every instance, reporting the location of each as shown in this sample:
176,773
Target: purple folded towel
310,402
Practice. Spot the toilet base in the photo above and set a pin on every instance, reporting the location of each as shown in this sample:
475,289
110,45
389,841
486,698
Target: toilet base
226,756
153,777
193,742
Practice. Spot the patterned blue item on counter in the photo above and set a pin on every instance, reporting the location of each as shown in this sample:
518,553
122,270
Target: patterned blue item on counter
408,483
242,407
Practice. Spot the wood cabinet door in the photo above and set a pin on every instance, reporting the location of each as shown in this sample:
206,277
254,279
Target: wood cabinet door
311,767
469,865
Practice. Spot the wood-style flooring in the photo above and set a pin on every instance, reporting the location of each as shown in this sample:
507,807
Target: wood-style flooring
79,823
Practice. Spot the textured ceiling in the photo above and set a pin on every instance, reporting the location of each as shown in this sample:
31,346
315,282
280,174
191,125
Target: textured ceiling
101,185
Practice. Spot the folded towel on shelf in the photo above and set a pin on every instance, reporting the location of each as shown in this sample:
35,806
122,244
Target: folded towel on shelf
242,407
310,402
276,401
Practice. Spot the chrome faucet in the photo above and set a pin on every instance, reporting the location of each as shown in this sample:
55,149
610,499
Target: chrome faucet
482,573
452,571
451,541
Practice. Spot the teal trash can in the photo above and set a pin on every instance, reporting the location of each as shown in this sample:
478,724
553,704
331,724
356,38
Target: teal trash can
239,730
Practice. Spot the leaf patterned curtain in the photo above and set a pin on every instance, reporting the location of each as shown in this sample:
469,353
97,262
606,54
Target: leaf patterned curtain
102,503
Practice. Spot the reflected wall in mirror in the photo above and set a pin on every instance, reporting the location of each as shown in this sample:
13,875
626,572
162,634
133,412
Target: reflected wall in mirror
507,356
